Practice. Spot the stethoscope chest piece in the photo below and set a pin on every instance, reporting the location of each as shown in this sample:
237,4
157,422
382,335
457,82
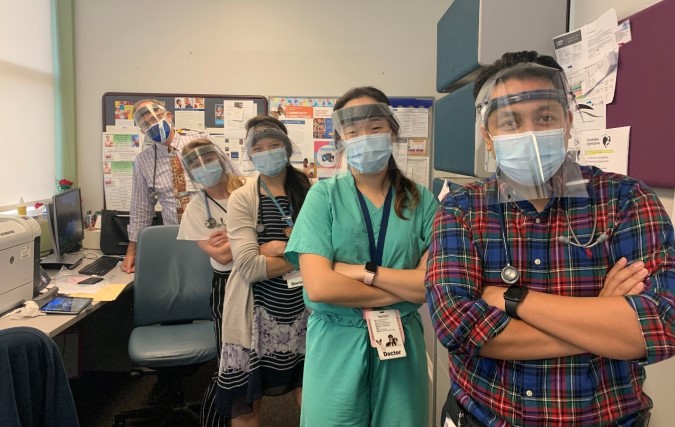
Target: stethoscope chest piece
154,197
510,274
210,223
260,228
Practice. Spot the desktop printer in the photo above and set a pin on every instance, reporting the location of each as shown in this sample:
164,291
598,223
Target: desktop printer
19,260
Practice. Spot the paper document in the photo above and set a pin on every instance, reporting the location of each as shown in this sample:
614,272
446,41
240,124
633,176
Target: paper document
606,149
589,57
106,293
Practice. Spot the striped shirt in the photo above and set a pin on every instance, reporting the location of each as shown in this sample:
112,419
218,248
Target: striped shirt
142,210
273,294
467,252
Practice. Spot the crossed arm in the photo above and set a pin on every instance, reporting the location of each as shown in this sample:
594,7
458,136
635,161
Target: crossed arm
556,326
342,284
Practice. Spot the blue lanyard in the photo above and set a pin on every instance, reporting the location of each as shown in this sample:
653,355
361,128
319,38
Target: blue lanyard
288,218
376,252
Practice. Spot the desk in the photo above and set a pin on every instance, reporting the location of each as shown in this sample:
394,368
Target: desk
54,324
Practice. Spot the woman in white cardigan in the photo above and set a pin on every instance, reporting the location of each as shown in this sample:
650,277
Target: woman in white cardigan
264,316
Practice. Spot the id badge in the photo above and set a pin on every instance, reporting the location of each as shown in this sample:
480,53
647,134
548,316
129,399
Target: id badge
387,333
366,314
293,279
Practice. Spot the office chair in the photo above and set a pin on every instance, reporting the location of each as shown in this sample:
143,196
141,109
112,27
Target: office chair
173,330
34,389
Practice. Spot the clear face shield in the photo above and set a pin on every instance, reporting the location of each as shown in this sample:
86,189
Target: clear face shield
268,150
524,119
207,166
153,120
364,138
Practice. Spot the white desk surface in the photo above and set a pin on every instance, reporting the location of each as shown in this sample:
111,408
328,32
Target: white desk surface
54,324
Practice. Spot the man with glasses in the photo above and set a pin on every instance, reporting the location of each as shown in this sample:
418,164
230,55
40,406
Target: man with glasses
158,175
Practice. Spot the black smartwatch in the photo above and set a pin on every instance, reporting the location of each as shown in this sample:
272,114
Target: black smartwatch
371,270
513,296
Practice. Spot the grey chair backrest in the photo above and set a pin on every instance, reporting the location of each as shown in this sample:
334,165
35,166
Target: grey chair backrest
173,278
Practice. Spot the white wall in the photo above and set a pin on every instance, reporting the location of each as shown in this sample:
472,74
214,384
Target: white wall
261,47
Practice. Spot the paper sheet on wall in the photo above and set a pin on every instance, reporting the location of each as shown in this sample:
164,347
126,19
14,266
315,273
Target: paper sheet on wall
190,119
418,147
414,122
417,169
589,57
310,127
585,119
236,114
121,146
606,149
117,183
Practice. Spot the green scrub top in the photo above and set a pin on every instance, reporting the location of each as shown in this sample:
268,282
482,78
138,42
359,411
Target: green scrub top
331,224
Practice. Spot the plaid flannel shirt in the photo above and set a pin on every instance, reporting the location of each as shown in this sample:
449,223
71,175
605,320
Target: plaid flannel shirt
467,253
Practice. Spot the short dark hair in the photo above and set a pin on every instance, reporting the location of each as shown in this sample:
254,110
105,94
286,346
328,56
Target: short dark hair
508,60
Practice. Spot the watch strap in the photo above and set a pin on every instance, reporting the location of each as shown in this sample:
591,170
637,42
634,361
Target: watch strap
369,273
511,306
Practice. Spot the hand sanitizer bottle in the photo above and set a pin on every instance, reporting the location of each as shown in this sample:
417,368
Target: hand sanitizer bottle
21,208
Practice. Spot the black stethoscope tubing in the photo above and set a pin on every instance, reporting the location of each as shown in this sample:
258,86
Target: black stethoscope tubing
154,196
261,228
510,274
210,221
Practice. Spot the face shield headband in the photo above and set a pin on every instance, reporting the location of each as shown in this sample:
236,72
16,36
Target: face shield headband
260,132
350,122
207,165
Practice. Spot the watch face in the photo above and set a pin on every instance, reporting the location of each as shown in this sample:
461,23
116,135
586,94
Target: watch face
372,267
515,293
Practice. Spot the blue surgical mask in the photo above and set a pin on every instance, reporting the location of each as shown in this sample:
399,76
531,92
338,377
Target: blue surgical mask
270,163
530,158
159,132
369,153
207,175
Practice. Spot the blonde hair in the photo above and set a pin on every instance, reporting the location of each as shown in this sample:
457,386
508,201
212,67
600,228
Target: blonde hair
233,181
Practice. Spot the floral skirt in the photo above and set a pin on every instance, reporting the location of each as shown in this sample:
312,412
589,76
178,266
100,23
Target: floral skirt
272,367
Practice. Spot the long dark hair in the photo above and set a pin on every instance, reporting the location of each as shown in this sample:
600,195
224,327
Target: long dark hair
297,183
407,195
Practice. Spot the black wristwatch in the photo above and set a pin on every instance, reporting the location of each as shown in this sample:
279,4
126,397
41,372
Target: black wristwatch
513,296
371,270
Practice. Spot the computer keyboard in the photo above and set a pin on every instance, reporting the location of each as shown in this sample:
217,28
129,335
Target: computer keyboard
101,266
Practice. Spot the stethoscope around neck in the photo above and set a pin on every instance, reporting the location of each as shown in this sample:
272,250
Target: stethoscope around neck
210,222
510,274
152,191
260,227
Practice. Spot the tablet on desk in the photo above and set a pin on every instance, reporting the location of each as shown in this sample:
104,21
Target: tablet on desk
65,305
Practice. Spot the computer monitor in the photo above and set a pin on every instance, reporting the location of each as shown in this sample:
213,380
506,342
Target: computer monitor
67,229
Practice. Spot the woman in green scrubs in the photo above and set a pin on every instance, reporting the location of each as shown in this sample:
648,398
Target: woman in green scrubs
360,242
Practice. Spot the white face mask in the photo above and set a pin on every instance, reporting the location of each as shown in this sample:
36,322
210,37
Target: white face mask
271,162
530,158
369,153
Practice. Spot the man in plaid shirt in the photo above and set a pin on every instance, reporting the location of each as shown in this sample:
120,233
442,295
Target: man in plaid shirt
551,284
